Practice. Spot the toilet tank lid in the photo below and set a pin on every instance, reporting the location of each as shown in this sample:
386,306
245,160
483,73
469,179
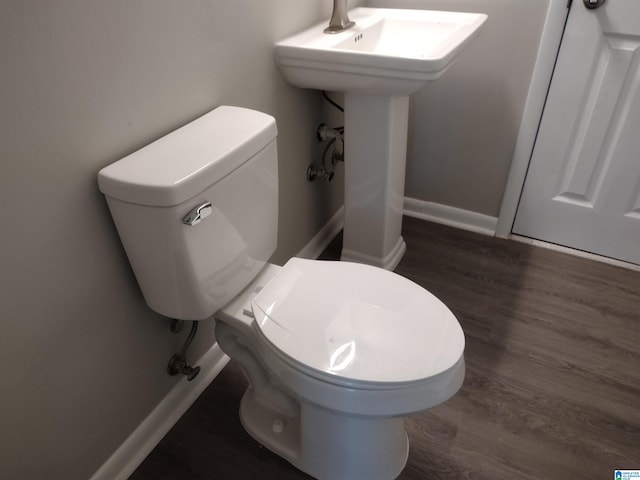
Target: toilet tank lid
190,159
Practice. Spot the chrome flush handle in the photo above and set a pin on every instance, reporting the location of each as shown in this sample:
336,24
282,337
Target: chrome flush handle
197,214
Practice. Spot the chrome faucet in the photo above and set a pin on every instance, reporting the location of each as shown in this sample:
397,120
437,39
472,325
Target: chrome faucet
339,18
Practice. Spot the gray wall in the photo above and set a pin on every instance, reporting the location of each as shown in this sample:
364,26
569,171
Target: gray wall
82,83
464,127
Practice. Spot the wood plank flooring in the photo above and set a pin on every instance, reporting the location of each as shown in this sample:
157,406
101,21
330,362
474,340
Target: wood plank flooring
552,389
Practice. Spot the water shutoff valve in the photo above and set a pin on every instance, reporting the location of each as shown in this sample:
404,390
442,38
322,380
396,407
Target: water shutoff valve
328,133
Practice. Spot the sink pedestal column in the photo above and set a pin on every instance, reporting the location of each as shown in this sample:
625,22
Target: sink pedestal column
375,148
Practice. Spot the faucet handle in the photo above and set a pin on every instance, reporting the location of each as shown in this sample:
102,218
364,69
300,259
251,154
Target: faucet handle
339,18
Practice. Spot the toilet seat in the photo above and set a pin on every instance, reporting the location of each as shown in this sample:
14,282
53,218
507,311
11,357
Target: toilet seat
355,325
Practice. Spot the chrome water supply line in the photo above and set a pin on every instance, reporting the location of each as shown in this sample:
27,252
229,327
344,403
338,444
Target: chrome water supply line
178,363
335,136
336,140
335,145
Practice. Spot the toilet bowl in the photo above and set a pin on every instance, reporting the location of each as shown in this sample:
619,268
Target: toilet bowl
336,353
332,378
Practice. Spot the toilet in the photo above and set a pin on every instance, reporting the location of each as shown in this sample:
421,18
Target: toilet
336,353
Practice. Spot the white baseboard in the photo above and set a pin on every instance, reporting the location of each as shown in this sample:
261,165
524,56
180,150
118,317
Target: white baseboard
575,253
148,434
323,238
451,216
433,212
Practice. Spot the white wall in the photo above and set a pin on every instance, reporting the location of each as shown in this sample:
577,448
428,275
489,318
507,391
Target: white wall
83,83
464,126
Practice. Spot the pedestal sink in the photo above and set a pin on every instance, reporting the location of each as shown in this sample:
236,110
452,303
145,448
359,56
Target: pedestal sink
388,55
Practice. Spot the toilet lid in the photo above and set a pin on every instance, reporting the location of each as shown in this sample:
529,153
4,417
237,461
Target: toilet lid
356,322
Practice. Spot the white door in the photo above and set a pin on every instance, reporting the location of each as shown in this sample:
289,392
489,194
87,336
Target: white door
582,189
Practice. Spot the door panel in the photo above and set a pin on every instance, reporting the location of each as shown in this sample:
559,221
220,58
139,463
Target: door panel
583,185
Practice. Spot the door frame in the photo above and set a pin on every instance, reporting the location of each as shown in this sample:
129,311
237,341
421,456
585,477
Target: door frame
554,24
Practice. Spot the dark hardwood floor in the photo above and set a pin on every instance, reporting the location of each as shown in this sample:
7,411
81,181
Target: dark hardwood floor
552,389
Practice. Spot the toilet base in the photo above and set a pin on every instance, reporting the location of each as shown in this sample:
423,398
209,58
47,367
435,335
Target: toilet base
279,432
328,445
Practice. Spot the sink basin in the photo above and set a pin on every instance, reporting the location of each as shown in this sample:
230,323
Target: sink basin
388,51
388,55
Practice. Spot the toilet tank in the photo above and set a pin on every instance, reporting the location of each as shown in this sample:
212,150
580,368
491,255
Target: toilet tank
189,266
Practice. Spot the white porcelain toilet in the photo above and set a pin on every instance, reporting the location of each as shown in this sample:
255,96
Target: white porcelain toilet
336,353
